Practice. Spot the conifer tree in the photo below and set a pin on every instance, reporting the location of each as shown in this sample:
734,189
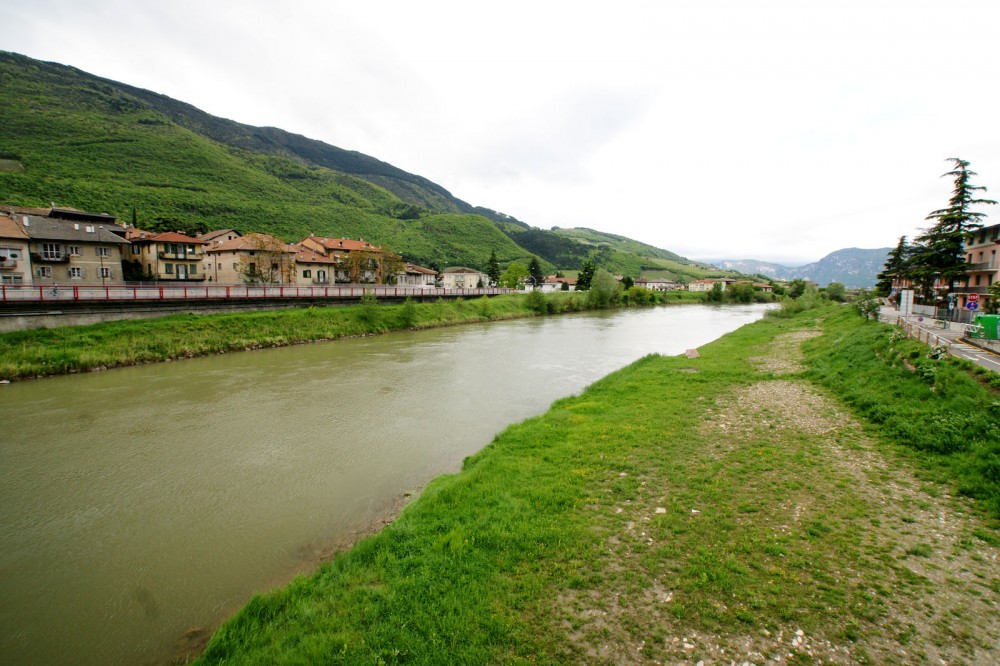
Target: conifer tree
941,248
493,269
897,263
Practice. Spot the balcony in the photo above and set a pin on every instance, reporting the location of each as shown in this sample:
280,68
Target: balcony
321,281
972,290
179,256
7,262
50,258
982,266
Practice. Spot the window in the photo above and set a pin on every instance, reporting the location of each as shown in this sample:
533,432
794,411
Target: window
168,269
105,273
51,251
193,269
236,266
44,271
136,249
76,272
306,273
14,278
104,252
73,250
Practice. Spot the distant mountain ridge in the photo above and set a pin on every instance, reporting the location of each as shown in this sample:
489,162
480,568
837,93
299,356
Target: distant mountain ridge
853,267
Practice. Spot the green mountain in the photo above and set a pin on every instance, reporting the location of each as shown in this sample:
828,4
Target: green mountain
74,139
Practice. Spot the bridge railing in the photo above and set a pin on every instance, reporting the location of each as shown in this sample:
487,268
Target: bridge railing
13,294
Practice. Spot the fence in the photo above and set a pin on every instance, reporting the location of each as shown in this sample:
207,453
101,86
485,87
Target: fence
13,294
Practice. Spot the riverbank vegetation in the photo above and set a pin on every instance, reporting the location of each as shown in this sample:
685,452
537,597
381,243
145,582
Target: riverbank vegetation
751,504
42,352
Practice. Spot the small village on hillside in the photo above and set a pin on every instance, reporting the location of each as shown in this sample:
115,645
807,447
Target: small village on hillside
66,246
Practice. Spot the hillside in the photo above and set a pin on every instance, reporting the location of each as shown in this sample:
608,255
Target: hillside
83,141
852,267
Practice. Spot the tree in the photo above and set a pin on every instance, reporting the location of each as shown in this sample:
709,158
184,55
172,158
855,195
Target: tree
604,291
627,283
585,276
493,269
836,292
941,252
740,292
897,264
716,295
390,265
535,273
796,288
513,277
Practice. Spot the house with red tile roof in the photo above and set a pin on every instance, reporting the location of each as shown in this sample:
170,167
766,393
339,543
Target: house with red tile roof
169,256
416,276
255,258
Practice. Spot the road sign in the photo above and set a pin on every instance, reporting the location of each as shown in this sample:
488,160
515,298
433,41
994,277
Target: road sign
972,305
972,297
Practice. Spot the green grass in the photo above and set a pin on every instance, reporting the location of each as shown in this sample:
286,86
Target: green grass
946,412
622,517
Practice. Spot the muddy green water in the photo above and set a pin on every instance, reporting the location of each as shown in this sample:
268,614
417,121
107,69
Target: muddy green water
140,507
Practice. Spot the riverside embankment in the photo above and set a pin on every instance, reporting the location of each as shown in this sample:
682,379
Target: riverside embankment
809,488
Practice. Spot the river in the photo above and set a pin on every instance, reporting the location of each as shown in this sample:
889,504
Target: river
141,506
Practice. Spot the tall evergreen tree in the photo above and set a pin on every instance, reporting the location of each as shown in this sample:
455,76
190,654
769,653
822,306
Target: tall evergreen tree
897,263
535,271
493,269
585,276
941,252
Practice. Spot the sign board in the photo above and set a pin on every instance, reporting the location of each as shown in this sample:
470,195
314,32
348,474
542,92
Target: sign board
905,303
972,305
972,297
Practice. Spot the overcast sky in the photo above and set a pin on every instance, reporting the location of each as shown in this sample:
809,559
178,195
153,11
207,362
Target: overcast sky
778,130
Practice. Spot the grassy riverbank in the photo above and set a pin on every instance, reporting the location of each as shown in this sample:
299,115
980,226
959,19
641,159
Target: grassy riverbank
38,353
724,508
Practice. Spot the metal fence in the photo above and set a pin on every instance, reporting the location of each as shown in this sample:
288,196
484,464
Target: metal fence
13,294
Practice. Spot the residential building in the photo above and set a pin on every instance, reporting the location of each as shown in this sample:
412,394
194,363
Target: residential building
462,277
167,257
358,260
982,248
312,267
658,284
703,285
15,265
69,246
416,276
251,259
219,236
553,283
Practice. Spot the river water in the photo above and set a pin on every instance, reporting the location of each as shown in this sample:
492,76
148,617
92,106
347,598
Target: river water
141,506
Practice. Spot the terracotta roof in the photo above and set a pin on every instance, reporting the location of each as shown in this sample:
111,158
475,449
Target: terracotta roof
210,236
459,269
249,242
306,255
413,268
346,244
9,228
